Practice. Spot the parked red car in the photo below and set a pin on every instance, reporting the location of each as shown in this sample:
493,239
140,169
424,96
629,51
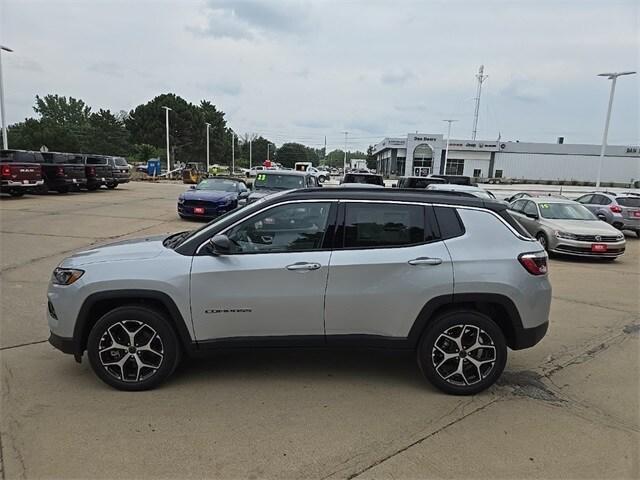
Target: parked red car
20,172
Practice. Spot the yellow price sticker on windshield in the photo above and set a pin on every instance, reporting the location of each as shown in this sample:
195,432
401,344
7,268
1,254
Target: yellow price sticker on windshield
544,205
262,176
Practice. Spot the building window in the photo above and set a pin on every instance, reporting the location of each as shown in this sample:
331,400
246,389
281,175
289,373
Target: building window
477,173
455,167
423,157
498,173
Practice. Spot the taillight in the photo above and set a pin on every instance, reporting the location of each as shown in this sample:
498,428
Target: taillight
6,171
615,209
535,263
60,171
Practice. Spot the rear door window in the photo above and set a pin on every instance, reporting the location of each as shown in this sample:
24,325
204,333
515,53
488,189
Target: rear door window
380,225
586,200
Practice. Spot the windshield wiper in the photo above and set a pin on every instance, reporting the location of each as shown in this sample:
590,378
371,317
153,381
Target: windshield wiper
174,240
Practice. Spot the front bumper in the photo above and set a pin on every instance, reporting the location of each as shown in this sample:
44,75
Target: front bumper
65,345
585,249
210,211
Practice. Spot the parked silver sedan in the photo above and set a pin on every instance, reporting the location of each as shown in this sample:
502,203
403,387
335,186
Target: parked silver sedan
567,227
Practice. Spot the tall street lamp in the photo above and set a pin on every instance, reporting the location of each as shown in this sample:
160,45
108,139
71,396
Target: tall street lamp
166,118
5,141
613,77
446,152
208,126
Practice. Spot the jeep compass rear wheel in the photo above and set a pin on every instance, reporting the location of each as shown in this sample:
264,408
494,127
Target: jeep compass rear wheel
133,348
462,353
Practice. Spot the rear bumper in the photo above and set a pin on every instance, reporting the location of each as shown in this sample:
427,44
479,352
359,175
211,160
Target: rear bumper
528,337
21,184
54,183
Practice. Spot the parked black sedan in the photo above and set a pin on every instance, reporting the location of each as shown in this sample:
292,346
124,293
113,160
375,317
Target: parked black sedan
212,197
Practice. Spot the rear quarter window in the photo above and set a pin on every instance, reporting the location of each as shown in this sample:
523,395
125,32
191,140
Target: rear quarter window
449,222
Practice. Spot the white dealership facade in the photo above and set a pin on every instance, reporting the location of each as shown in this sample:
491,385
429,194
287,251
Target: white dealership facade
420,154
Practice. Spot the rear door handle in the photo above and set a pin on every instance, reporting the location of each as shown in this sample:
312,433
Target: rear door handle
425,261
303,266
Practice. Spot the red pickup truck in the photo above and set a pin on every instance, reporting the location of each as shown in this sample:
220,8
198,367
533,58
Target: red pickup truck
20,172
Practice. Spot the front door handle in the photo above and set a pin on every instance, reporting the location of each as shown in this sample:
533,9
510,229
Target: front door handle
425,261
304,266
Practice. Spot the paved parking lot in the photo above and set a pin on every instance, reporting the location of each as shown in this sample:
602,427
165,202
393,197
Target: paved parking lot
566,408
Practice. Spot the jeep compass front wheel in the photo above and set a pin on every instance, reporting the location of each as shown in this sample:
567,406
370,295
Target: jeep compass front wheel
133,348
462,353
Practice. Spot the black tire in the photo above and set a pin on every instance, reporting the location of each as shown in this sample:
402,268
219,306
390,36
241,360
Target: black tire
130,318
92,188
618,226
62,190
473,327
544,241
111,186
16,193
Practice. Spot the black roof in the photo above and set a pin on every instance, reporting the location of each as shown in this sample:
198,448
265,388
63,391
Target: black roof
399,194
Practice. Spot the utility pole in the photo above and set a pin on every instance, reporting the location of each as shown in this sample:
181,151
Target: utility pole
613,77
250,153
481,78
167,109
5,140
446,152
344,166
233,152
208,126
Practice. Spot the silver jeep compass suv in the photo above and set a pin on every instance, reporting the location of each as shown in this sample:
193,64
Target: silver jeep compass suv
454,279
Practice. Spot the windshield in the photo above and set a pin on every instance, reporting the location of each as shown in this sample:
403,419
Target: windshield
628,201
565,211
218,184
121,162
278,182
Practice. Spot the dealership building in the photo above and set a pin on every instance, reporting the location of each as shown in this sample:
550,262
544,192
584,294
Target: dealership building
423,154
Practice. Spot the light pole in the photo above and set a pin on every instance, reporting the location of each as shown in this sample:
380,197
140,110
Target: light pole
613,77
5,141
166,121
446,152
344,162
268,145
208,126
250,153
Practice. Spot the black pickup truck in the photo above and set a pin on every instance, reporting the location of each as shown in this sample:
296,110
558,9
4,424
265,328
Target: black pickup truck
63,171
99,172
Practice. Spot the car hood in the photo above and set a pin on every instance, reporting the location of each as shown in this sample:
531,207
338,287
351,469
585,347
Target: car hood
134,249
263,192
582,227
207,195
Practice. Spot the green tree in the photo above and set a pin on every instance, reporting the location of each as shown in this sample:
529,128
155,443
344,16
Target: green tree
290,153
105,134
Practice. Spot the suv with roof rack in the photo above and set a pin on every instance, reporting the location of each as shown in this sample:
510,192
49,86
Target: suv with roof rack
622,210
379,268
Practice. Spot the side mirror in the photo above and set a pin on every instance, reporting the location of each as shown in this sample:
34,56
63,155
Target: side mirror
243,194
192,187
219,245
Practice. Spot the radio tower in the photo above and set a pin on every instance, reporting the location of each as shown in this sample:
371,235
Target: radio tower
481,78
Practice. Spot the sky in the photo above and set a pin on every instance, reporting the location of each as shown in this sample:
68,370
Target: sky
299,71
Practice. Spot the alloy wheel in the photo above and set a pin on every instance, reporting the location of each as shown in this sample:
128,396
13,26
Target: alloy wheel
463,355
131,351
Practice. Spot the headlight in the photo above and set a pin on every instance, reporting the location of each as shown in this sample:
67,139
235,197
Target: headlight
620,237
66,276
180,200
568,236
